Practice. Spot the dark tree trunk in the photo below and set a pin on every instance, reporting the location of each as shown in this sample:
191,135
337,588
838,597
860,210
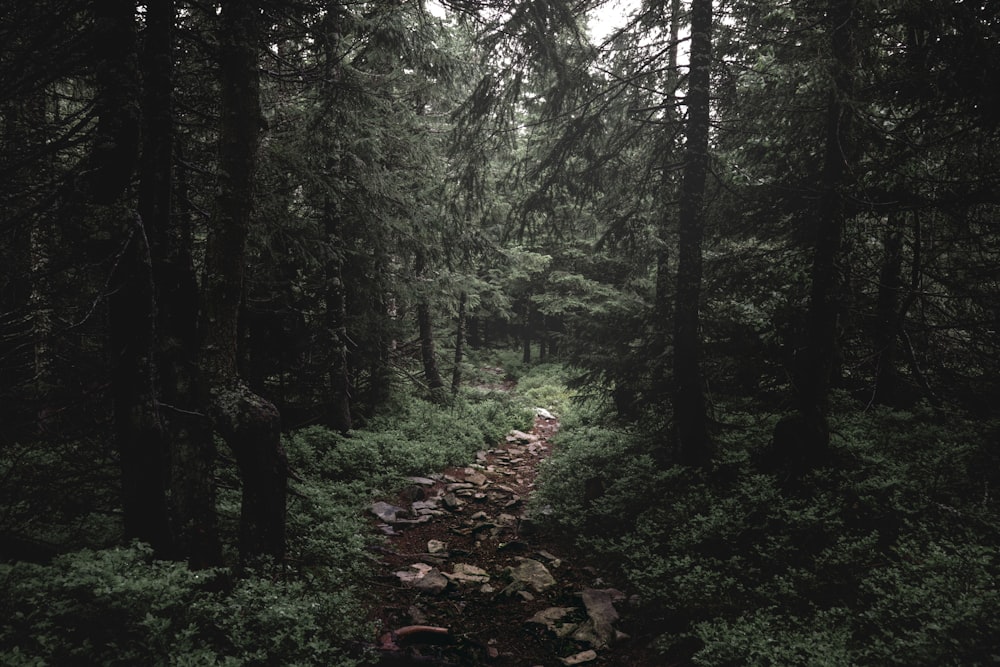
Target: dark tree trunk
249,423
693,441
339,416
425,324
131,306
188,433
887,314
456,372
810,439
526,331
662,304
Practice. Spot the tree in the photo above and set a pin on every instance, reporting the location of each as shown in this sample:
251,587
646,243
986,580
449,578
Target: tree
249,423
689,399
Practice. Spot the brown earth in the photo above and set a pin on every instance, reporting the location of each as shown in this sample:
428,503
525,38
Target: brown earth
478,517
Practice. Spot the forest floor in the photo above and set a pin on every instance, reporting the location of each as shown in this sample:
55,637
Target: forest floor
467,578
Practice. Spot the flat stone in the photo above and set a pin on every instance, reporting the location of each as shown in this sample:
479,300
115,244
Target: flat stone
579,658
387,512
468,574
451,501
423,577
529,574
421,481
550,617
598,630
476,478
521,436
436,547
424,505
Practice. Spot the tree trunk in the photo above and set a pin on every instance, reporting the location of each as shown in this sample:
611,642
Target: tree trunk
188,433
662,303
249,423
425,324
887,314
339,417
456,372
131,305
694,445
807,437
526,331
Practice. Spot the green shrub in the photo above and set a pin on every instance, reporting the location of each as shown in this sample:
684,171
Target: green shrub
887,556
121,607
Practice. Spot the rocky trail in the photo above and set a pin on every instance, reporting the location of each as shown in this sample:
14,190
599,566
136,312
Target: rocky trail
468,579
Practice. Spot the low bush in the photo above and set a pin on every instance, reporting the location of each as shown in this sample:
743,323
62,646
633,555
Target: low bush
887,556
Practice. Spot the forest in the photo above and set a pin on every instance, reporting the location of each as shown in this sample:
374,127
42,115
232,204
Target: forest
724,274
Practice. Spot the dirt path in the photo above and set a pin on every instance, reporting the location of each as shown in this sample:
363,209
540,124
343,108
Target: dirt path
467,578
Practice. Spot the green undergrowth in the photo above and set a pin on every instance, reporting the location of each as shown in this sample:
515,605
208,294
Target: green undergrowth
887,556
120,606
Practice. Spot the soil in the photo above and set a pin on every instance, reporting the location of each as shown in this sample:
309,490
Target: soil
470,625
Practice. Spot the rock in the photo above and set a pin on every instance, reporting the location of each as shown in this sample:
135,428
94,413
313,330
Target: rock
387,512
598,630
529,574
421,481
481,457
507,520
468,574
550,617
478,516
579,658
476,478
423,577
526,596
451,501
436,547
544,414
521,436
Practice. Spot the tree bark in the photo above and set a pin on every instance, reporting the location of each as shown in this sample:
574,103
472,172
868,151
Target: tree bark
131,305
887,314
188,434
811,439
425,324
526,330
693,441
248,423
339,415
456,371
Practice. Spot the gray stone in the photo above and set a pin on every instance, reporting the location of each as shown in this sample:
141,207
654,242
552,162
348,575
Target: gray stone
387,512
423,577
529,574
544,414
421,481
468,574
579,658
476,478
550,617
598,630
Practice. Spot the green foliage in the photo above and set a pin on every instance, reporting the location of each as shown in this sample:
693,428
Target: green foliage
887,556
121,607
